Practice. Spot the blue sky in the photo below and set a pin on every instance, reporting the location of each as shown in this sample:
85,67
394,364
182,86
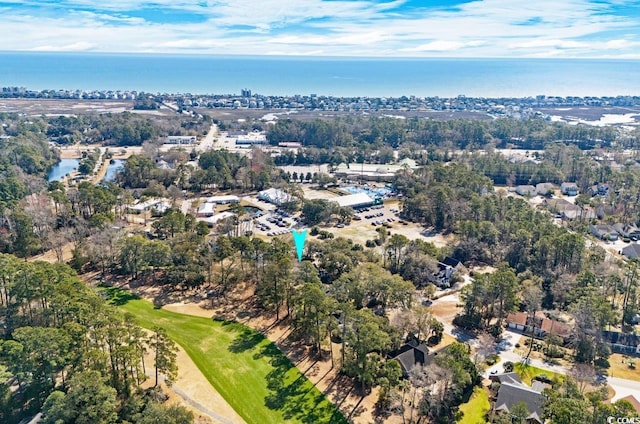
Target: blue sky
368,28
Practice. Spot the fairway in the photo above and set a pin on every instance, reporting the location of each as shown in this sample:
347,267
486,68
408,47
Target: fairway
249,371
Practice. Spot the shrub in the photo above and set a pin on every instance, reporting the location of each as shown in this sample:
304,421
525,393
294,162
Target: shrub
554,352
508,366
492,359
495,331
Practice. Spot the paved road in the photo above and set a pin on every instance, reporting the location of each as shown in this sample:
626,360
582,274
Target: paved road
624,388
207,142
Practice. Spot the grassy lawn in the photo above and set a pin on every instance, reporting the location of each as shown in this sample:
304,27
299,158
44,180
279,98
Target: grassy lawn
249,371
527,372
620,367
475,410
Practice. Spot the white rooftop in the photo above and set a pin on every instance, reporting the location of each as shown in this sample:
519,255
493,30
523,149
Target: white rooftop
353,200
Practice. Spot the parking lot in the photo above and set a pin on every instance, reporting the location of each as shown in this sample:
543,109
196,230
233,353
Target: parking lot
273,223
377,215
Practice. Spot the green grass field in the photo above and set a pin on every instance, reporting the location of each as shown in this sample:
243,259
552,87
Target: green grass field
475,410
249,371
527,372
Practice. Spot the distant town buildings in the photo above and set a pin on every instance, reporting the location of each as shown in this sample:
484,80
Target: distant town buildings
518,108
180,139
372,172
254,138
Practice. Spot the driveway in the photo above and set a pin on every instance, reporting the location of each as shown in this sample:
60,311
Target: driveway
624,388
506,350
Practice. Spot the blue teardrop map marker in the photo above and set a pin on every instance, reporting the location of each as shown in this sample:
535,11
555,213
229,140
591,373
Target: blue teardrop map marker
299,237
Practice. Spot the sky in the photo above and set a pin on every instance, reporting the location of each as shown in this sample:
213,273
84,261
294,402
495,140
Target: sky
351,28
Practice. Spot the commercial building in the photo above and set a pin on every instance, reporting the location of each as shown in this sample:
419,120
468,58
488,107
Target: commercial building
181,139
223,200
252,139
358,200
372,171
275,196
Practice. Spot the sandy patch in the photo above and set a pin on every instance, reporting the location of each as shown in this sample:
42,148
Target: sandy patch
338,388
196,391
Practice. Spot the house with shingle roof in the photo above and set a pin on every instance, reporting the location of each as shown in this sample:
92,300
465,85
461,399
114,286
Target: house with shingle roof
540,325
513,391
632,251
410,355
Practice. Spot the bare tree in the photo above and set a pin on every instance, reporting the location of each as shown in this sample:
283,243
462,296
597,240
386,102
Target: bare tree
532,298
486,345
39,208
584,375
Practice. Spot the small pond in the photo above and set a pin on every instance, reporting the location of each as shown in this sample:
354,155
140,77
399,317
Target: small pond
114,166
62,168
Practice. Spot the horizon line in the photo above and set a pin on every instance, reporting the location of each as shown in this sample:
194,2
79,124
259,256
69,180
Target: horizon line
312,57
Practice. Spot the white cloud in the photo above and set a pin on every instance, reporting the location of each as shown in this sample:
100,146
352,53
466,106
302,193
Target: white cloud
442,46
75,47
343,28
560,44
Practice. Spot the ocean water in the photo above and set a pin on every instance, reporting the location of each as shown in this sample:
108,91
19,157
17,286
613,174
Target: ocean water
342,77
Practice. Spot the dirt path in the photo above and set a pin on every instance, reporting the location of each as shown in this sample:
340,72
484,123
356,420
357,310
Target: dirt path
196,391
102,171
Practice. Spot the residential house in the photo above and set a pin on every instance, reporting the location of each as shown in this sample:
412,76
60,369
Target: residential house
540,325
513,391
603,210
544,189
567,210
526,190
622,342
410,355
446,269
206,209
604,232
599,189
628,231
569,189
632,251
156,205
634,402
